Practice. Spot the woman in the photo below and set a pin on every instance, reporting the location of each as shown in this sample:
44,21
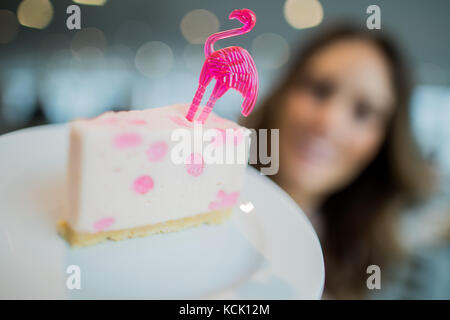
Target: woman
347,154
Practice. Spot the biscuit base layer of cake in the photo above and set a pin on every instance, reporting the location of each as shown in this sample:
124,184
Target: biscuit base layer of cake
129,174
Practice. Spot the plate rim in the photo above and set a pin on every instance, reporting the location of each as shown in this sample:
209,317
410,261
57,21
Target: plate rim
282,195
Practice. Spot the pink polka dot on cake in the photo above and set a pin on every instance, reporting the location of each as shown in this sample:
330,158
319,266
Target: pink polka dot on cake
103,224
143,184
157,151
195,164
127,140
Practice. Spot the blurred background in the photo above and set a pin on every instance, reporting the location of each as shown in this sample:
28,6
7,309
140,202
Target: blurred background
142,54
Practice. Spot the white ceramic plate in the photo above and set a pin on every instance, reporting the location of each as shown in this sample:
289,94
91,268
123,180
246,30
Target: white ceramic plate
270,253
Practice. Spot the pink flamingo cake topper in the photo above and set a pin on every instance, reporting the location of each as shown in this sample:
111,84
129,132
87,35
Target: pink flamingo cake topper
232,67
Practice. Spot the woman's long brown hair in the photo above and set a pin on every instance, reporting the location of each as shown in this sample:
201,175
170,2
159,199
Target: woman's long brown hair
359,220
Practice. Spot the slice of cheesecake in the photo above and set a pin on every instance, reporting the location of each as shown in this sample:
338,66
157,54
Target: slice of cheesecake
131,175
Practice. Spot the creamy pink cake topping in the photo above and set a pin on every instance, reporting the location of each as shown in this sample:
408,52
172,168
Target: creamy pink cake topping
168,117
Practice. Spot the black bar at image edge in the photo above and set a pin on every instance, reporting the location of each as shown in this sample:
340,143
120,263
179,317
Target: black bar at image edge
223,309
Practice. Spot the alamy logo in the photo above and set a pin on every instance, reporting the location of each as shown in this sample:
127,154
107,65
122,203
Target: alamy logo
73,21
226,146
223,146
74,279
374,20
374,280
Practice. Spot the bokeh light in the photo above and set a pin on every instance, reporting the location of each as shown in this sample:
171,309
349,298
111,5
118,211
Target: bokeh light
301,14
35,13
270,51
88,44
154,59
91,2
197,25
9,26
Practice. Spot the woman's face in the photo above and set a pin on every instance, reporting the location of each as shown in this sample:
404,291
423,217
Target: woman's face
333,119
